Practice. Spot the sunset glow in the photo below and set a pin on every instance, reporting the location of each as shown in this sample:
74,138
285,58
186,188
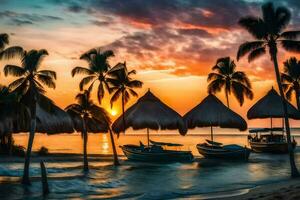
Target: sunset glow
172,45
113,112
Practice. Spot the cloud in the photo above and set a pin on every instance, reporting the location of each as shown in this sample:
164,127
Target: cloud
19,19
99,23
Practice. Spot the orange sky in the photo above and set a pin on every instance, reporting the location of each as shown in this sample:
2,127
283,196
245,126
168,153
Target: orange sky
172,50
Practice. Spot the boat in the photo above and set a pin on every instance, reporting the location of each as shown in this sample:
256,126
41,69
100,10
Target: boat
211,149
268,140
156,152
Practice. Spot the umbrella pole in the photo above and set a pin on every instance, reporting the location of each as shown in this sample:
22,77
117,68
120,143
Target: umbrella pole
282,126
148,136
211,134
271,125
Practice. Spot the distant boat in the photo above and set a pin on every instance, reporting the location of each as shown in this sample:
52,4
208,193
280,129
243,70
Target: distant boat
218,150
269,143
151,113
156,153
212,112
264,140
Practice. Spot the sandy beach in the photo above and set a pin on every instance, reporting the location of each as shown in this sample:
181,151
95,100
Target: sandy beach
288,190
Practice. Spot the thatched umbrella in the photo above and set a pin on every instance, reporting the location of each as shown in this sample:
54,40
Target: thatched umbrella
270,106
151,113
211,112
50,120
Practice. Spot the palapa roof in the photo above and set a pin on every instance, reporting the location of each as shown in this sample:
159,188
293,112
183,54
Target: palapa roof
212,112
271,106
150,112
13,120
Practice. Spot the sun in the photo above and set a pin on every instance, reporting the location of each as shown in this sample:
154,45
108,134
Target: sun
113,112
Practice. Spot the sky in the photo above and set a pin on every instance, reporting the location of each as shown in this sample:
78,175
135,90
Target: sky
172,44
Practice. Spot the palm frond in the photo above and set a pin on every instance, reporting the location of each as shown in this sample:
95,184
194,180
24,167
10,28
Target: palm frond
248,47
286,78
81,70
108,53
254,25
135,84
14,70
289,92
240,90
32,59
100,92
4,40
283,17
132,92
85,81
100,114
242,78
46,80
11,52
291,45
290,35
115,96
132,72
215,86
268,12
256,54
126,96
213,76
50,73
16,83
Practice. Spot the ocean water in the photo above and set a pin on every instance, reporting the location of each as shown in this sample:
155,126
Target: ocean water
134,180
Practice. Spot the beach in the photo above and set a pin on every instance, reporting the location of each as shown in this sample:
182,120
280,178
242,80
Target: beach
288,190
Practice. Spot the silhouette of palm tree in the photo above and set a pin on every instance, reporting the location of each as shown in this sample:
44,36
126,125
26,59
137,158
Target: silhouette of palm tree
30,86
122,85
97,71
291,79
10,52
268,33
7,101
225,76
88,112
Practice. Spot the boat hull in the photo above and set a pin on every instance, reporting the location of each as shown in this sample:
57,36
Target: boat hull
135,154
220,153
271,147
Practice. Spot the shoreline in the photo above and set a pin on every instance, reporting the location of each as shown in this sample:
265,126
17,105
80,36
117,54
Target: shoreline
285,189
57,157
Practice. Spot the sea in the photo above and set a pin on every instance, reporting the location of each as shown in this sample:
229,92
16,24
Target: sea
201,179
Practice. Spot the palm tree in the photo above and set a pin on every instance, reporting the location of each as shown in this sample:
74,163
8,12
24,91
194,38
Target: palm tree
6,53
97,70
30,86
88,112
225,76
291,79
122,85
268,32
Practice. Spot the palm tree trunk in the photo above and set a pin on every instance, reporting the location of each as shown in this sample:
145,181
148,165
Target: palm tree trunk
116,160
227,99
123,110
25,179
85,139
294,170
297,98
10,143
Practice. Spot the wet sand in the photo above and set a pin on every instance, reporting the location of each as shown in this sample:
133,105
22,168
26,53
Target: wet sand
287,190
